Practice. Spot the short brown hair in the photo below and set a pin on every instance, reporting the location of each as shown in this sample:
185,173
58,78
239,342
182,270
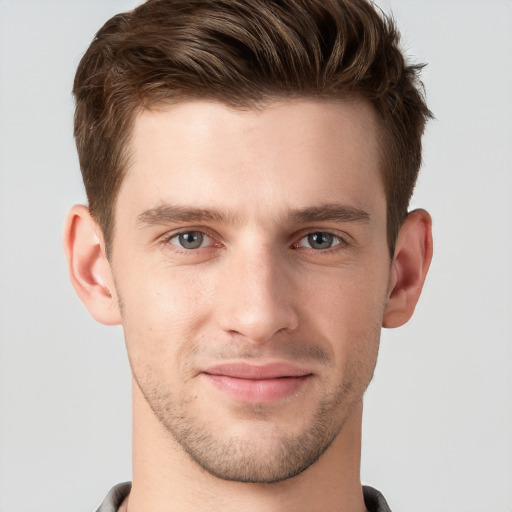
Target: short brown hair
242,52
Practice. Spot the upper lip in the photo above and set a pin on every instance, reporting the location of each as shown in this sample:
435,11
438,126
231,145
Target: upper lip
243,370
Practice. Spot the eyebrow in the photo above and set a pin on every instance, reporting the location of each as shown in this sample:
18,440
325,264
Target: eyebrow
329,212
169,214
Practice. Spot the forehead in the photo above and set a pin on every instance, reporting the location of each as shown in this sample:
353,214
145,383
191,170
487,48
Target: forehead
286,154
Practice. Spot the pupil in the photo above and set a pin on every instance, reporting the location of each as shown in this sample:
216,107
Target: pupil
191,240
320,240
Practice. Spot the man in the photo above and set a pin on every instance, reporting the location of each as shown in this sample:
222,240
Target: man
248,166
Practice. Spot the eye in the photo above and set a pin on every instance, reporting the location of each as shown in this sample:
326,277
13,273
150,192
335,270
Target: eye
191,240
319,241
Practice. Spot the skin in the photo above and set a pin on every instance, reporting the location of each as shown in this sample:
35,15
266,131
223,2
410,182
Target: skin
291,268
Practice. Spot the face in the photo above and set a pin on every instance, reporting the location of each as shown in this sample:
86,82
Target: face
252,269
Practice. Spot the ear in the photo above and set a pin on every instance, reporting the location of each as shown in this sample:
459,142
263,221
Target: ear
89,268
413,254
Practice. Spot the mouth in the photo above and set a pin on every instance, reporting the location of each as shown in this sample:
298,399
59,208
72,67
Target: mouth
252,383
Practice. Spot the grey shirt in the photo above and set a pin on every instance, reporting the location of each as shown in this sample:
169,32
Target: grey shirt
373,499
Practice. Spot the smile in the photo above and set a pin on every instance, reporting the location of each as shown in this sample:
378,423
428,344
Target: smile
257,383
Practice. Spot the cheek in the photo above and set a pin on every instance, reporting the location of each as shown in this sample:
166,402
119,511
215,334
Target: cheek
161,310
347,310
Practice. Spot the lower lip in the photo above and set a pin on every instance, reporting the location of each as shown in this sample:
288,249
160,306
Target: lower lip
258,390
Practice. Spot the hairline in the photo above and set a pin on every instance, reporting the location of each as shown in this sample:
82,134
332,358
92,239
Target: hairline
249,104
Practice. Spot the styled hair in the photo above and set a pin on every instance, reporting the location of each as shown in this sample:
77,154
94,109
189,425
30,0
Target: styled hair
242,53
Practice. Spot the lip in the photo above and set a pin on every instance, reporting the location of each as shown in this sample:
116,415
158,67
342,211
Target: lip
252,383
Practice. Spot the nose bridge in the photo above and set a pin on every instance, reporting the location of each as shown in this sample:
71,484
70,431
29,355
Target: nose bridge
257,295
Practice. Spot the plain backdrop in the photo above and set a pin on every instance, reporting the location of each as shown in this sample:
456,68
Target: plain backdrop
438,414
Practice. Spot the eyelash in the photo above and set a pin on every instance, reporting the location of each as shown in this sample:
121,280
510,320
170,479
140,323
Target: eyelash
166,240
341,242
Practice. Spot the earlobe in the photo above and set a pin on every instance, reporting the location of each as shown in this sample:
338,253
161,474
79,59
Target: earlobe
89,268
411,261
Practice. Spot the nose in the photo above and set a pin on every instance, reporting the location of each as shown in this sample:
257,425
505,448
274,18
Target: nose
256,298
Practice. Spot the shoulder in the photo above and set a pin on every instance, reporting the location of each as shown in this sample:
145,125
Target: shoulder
115,497
374,500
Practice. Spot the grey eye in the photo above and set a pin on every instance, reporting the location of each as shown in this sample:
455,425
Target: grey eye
320,240
190,240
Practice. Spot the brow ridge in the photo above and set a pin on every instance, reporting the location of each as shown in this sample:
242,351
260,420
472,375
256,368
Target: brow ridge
168,214
329,212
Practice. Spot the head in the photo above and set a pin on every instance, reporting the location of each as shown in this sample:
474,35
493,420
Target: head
248,166
244,54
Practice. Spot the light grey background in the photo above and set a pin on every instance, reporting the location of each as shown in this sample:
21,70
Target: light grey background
438,416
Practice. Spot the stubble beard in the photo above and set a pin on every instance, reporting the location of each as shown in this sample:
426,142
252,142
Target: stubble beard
275,455
269,457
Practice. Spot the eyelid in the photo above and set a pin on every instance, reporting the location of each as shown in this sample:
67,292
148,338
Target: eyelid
206,242
343,237
166,238
337,240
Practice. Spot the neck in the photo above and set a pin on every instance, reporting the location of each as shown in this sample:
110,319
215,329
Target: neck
165,479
